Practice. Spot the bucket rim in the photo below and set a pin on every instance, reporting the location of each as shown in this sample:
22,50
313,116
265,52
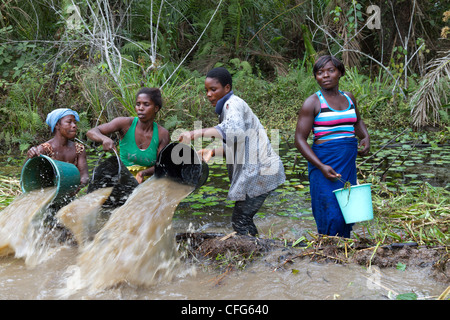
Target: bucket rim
54,168
174,143
98,161
204,169
353,186
58,174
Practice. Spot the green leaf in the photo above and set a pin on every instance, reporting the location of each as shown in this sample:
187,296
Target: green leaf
406,296
401,266
299,240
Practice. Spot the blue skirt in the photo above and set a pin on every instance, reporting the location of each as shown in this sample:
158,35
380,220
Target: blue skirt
340,154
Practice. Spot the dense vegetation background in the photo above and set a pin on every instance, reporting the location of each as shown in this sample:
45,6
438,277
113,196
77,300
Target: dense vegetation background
93,55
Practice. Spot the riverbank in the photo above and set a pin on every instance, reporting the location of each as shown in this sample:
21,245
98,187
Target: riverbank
233,252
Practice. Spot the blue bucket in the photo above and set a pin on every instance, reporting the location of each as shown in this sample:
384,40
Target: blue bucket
355,203
43,172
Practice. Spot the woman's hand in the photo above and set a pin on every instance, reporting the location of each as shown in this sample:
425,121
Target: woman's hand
329,173
140,177
186,137
108,144
365,145
33,152
206,154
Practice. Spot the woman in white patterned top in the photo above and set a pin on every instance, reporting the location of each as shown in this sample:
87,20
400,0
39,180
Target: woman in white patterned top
253,166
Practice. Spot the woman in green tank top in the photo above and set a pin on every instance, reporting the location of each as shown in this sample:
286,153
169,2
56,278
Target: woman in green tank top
141,138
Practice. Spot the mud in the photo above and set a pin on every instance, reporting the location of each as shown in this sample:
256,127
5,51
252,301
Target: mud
220,247
435,259
238,250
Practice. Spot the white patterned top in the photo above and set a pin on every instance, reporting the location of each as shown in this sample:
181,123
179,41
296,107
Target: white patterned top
254,168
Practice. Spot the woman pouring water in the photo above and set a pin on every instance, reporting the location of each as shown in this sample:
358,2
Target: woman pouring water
335,122
141,138
253,166
63,124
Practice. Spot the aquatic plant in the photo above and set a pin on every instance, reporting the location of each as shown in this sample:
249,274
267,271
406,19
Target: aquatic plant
9,189
432,94
421,216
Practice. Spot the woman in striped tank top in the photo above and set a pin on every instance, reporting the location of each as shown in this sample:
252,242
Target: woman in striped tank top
335,122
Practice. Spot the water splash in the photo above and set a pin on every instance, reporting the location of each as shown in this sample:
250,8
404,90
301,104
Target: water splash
137,244
22,227
82,216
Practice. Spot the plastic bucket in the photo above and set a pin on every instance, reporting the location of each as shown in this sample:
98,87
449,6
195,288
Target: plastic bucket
43,172
180,162
355,203
111,172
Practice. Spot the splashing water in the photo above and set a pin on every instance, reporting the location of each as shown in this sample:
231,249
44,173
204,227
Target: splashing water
82,216
137,244
22,229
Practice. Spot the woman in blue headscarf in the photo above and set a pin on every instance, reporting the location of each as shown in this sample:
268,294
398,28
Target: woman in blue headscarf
63,124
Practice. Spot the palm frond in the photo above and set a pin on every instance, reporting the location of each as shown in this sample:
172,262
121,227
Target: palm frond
433,93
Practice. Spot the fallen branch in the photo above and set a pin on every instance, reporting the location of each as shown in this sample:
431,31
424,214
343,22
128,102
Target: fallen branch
444,294
227,236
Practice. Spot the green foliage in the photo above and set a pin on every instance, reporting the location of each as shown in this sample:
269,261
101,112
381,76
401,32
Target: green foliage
21,110
377,103
420,215
406,296
268,46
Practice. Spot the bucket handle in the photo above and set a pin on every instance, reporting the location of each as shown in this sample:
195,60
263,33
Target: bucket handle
118,161
101,156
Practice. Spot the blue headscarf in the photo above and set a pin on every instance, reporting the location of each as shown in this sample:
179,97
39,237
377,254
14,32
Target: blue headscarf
54,116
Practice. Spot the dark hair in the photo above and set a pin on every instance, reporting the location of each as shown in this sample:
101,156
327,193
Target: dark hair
154,95
222,75
323,60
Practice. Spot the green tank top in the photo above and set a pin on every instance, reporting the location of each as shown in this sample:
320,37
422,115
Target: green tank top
131,155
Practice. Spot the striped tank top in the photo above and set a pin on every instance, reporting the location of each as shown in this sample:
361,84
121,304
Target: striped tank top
332,124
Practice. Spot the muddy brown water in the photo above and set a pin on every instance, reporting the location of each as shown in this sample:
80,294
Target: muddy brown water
57,270
258,281
58,276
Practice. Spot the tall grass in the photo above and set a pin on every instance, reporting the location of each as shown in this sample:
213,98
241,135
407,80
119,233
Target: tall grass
421,216
22,111
100,98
